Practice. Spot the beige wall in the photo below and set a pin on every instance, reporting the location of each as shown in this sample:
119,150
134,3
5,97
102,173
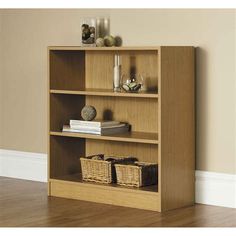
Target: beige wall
1,81
27,33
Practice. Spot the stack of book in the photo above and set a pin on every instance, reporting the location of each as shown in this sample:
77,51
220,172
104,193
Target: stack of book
96,127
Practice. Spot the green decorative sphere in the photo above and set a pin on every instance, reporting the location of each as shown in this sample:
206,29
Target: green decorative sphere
118,41
88,113
109,41
100,42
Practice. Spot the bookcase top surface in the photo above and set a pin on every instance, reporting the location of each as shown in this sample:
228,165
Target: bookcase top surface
80,48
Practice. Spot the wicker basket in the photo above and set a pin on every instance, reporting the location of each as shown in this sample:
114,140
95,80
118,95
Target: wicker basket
137,175
101,169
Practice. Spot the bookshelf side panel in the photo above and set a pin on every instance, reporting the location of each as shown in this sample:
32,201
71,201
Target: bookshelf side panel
177,127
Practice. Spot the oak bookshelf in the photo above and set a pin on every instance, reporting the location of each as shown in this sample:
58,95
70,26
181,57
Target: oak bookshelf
162,120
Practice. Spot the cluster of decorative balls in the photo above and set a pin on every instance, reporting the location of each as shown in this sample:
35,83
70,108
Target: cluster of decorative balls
131,85
88,34
108,41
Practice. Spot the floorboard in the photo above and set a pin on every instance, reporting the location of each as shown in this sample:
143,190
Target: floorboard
25,204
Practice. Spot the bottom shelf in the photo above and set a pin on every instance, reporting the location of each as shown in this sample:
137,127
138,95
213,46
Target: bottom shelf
77,178
74,188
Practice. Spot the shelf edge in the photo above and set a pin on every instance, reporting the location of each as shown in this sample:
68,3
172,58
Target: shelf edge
108,187
104,137
104,94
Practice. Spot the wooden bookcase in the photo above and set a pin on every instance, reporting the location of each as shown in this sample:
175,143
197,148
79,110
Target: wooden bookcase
162,120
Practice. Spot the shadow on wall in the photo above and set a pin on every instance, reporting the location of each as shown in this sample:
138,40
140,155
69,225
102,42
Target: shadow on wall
201,96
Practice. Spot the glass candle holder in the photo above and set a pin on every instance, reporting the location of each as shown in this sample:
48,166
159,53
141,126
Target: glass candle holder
102,27
88,31
132,84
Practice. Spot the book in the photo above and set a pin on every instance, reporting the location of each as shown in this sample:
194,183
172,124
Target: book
101,131
81,127
94,123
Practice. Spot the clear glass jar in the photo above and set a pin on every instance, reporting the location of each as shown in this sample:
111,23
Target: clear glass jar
102,27
133,83
88,32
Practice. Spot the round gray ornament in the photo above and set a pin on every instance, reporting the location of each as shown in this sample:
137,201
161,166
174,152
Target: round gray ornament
88,113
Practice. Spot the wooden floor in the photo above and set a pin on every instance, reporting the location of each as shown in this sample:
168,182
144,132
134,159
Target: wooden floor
25,203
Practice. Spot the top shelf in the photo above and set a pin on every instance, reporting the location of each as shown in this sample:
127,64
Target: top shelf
79,48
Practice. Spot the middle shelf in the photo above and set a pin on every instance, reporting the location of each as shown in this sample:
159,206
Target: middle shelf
105,92
133,137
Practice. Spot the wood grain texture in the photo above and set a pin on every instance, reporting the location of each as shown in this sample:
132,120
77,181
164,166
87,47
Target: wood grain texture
77,179
105,93
79,48
63,108
159,126
141,114
114,196
177,133
25,204
129,137
143,63
64,155
144,152
99,67
48,117
162,129
67,70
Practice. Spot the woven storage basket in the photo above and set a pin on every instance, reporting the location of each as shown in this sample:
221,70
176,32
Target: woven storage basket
103,170
137,175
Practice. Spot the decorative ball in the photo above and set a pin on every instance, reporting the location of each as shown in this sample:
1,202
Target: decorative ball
92,29
90,40
86,31
88,113
100,42
109,41
84,26
85,36
118,41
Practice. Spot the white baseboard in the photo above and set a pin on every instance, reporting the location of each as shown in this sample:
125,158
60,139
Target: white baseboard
215,189
211,188
23,165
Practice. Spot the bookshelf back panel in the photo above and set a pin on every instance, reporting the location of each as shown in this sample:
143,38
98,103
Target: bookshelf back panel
66,151
140,113
143,152
100,64
64,155
67,70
